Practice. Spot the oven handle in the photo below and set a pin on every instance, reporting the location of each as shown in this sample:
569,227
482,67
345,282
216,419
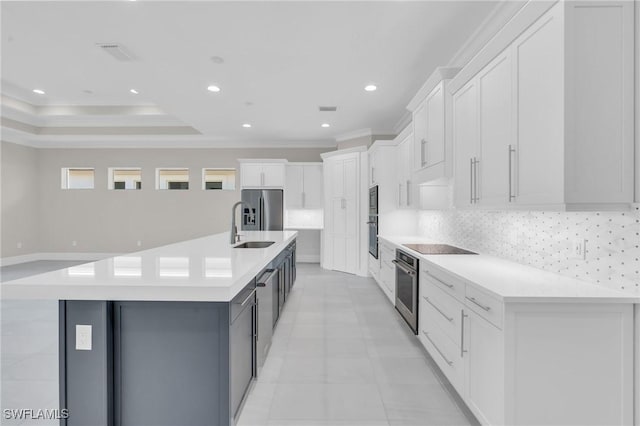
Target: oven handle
403,268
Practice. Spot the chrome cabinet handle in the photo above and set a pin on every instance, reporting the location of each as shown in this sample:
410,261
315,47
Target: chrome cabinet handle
476,186
423,152
475,302
399,194
437,309
471,180
462,317
244,302
434,345
408,192
304,199
512,196
343,203
403,268
438,280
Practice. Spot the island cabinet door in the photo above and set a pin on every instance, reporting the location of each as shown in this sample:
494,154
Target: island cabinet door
171,363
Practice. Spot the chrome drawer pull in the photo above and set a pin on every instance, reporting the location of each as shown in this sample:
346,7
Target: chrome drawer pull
437,309
473,300
440,281
434,345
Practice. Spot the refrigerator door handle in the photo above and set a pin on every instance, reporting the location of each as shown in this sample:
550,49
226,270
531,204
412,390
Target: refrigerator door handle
262,212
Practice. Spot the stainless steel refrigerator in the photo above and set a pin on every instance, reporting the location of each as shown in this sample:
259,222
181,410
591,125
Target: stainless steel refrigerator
266,212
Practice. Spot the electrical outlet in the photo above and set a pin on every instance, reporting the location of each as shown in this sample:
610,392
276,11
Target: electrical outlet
19,245
83,337
139,243
74,243
578,249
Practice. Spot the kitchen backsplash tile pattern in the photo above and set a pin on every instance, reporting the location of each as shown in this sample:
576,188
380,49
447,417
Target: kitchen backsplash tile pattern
545,240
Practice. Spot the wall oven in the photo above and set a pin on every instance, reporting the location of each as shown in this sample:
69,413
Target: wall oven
373,236
407,288
373,221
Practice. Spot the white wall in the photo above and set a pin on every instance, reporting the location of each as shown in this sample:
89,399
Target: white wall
19,223
108,221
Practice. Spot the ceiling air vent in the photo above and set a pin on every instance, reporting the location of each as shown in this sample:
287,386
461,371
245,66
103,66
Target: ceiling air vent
116,50
327,108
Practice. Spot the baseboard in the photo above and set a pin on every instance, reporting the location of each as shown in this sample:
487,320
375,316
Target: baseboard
14,260
308,258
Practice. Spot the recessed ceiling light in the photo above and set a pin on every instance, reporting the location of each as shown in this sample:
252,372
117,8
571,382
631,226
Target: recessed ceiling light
326,125
370,88
134,91
38,91
213,88
217,60
246,125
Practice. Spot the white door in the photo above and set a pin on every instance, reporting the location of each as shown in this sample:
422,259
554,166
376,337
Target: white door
273,175
496,135
351,192
251,175
313,187
294,187
484,368
538,161
343,252
434,148
465,137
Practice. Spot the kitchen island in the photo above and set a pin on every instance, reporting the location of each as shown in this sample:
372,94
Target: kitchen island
164,336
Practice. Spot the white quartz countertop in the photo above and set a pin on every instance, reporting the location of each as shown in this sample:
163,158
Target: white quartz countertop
514,282
204,269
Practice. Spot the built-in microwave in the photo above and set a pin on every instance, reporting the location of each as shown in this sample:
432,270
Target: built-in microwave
373,201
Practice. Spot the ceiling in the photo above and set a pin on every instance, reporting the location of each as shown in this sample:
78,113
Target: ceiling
281,60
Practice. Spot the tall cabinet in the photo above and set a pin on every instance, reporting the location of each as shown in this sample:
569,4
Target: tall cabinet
345,185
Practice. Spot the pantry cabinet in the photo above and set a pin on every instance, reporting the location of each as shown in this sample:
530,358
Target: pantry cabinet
342,232
262,174
554,113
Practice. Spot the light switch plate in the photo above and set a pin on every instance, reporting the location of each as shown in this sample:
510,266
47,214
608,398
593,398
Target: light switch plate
83,337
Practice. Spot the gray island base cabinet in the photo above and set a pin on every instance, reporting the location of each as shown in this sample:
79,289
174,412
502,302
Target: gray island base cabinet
168,363
144,353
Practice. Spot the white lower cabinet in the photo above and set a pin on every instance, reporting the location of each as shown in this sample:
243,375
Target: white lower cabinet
386,277
534,363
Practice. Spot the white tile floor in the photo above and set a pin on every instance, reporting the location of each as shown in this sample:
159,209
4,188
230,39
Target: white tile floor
341,355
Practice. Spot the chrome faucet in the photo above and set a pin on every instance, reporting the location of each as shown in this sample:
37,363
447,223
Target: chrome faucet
234,228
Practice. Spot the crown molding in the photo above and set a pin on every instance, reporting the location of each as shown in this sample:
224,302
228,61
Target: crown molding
354,134
499,16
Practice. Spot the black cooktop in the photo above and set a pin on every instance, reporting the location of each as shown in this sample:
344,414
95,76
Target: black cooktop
437,249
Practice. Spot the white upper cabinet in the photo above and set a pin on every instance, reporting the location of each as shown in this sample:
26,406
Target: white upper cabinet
406,187
496,136
262,174
303,188
432,153
554,111
465,138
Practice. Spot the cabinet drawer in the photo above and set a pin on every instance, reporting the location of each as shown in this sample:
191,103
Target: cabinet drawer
444,352
443,310
484,305
442,281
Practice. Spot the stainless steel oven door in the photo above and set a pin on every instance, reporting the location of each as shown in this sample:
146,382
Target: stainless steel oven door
373,236
407,294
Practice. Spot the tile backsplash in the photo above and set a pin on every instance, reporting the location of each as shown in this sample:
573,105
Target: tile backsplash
545,240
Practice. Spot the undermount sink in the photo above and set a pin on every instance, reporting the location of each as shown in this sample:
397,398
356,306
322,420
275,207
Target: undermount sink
255,244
